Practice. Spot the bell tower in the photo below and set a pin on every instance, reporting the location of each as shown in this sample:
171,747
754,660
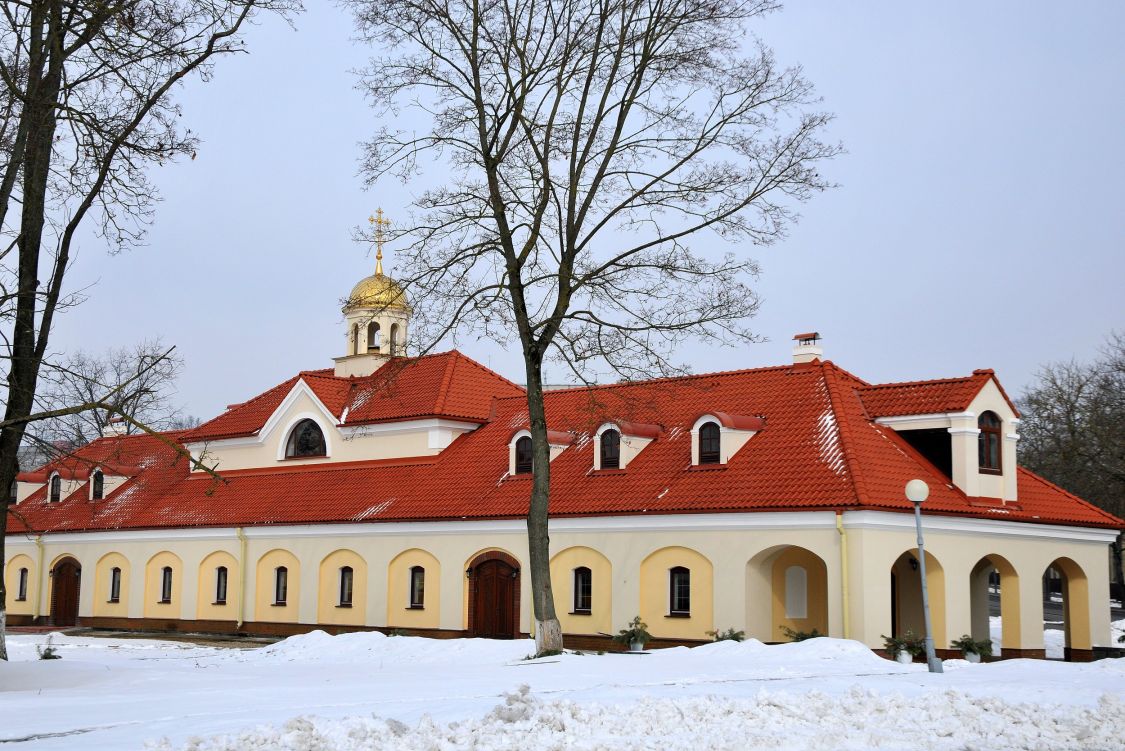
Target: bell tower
376,316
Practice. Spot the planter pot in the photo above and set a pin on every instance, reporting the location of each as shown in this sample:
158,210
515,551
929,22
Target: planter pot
904,658
636,646
972,656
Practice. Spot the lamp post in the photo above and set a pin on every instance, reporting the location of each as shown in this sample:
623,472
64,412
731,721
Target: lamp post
916,492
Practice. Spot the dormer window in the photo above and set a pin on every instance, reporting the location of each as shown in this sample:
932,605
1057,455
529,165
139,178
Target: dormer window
611,450
97,485
306,439
988,444
523,455
56,488
709,443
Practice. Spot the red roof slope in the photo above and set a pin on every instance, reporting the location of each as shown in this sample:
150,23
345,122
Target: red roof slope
927,397
818,448
442,385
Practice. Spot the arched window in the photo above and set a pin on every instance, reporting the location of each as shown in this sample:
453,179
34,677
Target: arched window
417,587
56,488
679,591
796,592
523,455
115,584
306,439
611,449
396,345
583,589
221,585
21,593
709,443
988,443
355,338
280,585
166,584
346,578
373,339
98,485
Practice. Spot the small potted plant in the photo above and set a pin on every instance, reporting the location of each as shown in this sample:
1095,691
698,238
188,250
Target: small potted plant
636,636
972,649
904,648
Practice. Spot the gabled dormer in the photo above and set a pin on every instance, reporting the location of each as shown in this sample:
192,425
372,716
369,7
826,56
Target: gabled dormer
717,436
618,443
966,427
520,449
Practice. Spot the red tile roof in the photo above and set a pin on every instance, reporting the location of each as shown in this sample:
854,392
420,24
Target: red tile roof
819,448
927,397
443,385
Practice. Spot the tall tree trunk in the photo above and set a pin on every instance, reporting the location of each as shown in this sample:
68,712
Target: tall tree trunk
44,78
548,630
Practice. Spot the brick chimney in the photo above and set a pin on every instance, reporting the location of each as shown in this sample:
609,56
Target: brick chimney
807,347
115,425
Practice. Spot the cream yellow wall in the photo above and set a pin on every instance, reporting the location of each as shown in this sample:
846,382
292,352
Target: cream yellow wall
265,609
655,601
816,592
359,443
102,606
910,615
12,584
153,607
329,609
206,609
1076,604
399,612
730,542
600,619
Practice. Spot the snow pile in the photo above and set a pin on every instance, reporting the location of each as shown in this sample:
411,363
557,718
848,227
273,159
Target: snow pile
858,719
372,647
1117,633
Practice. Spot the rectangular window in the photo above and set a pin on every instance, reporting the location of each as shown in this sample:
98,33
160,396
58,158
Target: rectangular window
115,584
280,585
679,582
346,575
221,585
417,587
21,593
166,584
583,589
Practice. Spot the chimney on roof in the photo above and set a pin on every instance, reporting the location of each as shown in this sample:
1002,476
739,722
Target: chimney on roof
807,347
114,426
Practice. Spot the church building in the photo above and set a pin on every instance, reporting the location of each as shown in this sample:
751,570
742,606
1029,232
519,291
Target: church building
389,492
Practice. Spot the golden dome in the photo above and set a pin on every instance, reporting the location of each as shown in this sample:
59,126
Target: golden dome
377,291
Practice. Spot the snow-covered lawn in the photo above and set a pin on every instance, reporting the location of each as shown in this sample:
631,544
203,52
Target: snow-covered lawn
366,691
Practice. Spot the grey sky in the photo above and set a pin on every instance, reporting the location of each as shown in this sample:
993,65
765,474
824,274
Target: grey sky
979,220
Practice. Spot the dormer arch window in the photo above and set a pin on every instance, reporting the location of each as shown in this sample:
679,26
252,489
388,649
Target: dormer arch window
520,449
989,450
717,436
523,455
55,488
306,440
609,448
710,443
97,485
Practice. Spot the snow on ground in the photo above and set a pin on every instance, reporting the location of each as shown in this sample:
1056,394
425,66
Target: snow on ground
369,691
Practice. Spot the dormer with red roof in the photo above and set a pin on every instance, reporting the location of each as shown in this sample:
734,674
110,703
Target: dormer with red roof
965,427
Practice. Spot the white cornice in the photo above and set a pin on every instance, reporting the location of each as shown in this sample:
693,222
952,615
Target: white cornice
897,420
407,426
998,527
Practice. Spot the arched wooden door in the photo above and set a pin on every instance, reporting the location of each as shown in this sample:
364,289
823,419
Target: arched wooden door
495,606
65,578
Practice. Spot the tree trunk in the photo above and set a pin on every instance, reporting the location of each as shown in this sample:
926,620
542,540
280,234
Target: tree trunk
548,630
44,77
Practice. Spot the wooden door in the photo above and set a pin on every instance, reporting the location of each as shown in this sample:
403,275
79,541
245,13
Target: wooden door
494,608
64,592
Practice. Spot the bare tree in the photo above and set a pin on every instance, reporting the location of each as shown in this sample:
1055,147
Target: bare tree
86,110
1073,431
81,379
580,148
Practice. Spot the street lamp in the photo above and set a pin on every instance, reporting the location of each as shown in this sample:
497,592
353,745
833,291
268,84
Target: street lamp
916,492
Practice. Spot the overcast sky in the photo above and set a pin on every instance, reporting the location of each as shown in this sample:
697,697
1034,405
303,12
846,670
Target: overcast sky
978,222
